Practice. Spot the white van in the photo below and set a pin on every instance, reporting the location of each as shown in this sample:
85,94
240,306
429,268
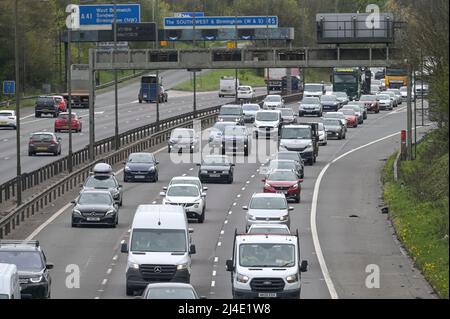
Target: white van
9,282
159,248
228,86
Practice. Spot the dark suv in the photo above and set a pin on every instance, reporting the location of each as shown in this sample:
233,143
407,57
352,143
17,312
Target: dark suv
32,266
47,105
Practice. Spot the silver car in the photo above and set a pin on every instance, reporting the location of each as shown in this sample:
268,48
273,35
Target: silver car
287,116
310,105
267,208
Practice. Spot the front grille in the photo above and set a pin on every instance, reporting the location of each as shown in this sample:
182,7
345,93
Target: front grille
282,188
215,172
93,214
267,284
268,219
157,272
183,205
296,149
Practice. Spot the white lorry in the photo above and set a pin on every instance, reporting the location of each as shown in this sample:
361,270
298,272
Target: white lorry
228,86
266,266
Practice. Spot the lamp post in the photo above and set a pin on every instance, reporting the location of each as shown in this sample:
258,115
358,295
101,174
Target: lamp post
16,57
116,97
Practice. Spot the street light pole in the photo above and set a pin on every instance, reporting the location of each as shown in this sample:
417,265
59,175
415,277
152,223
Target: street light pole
69,98
116,98
157,71
16,57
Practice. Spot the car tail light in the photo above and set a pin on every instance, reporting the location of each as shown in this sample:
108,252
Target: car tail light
54,142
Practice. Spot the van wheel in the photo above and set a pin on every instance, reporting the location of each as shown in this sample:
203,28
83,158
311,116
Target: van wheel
201,218
130,292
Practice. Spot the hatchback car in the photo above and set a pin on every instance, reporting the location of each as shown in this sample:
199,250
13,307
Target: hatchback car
183,139
285,164
266,208
190,197
272,102
385,101
287,116
310,106
8,119
334,128
231,113
217,133
62,104
141,167
342,97
371,102
47,105
330,103
95,207
359,112
285,182
216,168
351,117
336,115
250,111
62,123
169,290
44,142
245,92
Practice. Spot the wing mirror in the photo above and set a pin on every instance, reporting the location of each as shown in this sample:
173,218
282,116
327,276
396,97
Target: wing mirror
124,248
49,266
291,209
165,188
203,195
245,207
304,266
205,188
192,250
191,230
162,194
229,265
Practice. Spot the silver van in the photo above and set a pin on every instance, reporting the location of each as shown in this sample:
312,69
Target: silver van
159,248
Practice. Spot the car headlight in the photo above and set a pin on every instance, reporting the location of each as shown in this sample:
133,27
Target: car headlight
309,145
295,186
110,212
182,266
76,212
267,186
133,265
284,218
36,279
292,278
251,217
151,169
242,278
127,169
203,172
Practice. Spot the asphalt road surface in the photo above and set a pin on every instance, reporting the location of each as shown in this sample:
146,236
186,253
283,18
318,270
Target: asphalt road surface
344,239
131,115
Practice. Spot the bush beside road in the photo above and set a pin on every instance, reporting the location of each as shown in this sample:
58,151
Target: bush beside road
419,208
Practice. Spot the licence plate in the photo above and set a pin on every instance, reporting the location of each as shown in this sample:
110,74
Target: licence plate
282,192
139,176
214,175
41,148
3,122
267,295
93,219
23,281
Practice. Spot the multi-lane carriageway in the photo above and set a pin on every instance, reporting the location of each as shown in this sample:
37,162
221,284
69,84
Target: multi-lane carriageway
344,182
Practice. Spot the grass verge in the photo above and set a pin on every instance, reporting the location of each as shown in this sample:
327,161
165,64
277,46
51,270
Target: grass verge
211,81
421,215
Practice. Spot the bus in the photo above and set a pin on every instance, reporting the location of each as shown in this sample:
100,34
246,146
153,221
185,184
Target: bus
396,77
150,85
347,80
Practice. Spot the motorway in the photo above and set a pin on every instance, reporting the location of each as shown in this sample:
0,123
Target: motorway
346,232
131,115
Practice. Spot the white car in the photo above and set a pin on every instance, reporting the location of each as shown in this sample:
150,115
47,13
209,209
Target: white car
245,92
190,197
194,180
272,102
398,95
267,123
322,135
404,93
8,119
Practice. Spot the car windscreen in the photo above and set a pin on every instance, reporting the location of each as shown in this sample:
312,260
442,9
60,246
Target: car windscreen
170,293
293,156
158,240
345,79
235,131
282,165
45,100
250,107
278,203
230,111
100,181
287,112
182,190
331,122
42,137
313,88
310,100
267,255
66,116
328,98
24,260
368,98
221,127
273,99
348,112
215,160
340,94
244,88
383,97
280,176
141,158
94,199
185,181
267,116
295,133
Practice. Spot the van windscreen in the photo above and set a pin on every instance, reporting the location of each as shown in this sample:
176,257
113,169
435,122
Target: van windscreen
158,240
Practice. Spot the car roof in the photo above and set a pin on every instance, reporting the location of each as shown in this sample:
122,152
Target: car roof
281,160
232,105
159,216
183,185
296,126
185,178
266,238
47,133
95,191
269,195
169,285
332,113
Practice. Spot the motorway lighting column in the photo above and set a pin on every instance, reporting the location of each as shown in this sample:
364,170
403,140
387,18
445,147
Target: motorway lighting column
16,59
116,97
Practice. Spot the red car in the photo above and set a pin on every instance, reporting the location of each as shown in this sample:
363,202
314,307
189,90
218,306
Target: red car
352,118
283,181
371,102
62,122
62,105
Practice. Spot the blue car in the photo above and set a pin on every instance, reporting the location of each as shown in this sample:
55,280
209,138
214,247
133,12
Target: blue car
141,167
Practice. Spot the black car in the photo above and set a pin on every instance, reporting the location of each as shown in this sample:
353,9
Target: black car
216,168
95,208
330,103
236,139
33,268
231,113
334,128
183,140
46,105
292,156
379,75
141,167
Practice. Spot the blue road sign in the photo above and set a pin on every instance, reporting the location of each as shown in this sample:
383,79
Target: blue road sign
103,14
242,22
9,87
188,14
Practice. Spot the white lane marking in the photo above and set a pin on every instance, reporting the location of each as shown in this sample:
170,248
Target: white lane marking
97,298
115,257
230,212
191,169
253,176
234,204
219,244
25,117
154,202
222,232
99,113
122,241
214,273
247,182
104,281
213,283
109,271
243,188
315,236
59,212
225,222
238,196
216,259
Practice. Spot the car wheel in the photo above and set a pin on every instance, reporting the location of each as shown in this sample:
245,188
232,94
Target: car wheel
30,153
56,131
37,114
230,179
130,292
300,114
246,152
298,199
55,153
73,224
201,218
156,178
